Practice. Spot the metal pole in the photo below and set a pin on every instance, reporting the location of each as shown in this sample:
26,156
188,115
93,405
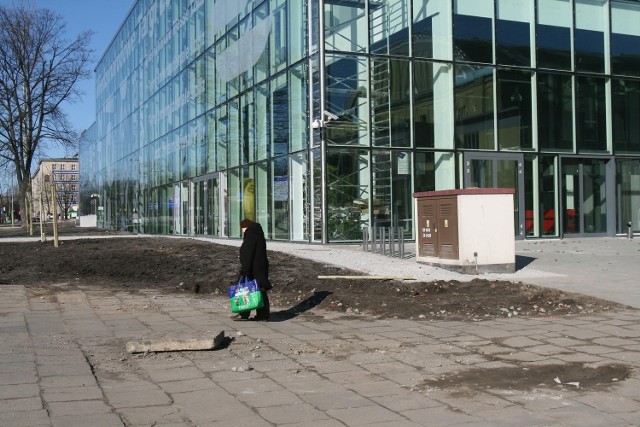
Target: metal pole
323,147
384,240
392,244
401,238
55,215
365,239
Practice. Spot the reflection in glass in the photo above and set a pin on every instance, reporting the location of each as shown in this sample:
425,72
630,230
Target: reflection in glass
591,117
514,110
472,39
474,114
346,27
548,224
346,97
391,113
594,200
280,198
389,23
625,38
589,35
423,104
347,194
434,171
625,104
432,29
628,197
555,120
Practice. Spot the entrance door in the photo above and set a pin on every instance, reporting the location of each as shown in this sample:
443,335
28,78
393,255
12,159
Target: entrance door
584,196
496,170
208,207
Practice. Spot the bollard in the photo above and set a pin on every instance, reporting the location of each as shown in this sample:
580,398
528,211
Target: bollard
365,239
401,241
392,243
384,241
629,230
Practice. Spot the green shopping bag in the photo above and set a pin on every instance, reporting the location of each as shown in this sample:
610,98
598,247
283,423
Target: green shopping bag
245,295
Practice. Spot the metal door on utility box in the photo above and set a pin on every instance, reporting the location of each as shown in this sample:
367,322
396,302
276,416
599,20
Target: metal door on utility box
438,227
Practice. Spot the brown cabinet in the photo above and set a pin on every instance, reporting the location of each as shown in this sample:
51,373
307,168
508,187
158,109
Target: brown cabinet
467,230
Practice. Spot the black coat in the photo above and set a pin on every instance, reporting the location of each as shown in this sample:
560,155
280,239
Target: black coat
253,256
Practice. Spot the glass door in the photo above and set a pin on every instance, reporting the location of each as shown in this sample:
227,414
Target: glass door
584,196
496,170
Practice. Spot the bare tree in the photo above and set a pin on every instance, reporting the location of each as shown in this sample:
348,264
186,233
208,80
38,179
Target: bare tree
66,198
39,72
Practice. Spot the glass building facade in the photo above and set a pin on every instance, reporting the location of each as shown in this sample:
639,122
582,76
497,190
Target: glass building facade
318,118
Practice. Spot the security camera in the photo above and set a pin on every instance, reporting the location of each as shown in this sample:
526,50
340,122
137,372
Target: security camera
316,124
330,116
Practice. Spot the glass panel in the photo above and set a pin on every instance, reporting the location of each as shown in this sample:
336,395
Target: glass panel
594,200
199,201
423,104
628,185
432,86
625,104
553,34
298,107
571,196
513,32
589,35
346,26
481,173
381,193
555,118
434,171
346,98
247,130
297,15
347,194
391,112
389,27
401,194
474,107
233,203
299,200
280,115
548,208
514,110
280,198
432,29
508,177
248,194
625,38
213,207
591,117
263,121
472,30
263,196
317,195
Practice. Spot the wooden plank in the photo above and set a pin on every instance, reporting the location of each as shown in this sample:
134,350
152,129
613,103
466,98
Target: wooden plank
368,277
193,344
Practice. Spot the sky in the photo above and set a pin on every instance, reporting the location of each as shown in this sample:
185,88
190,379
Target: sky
104,18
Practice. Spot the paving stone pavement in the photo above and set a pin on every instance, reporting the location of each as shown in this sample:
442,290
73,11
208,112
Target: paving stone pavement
63,363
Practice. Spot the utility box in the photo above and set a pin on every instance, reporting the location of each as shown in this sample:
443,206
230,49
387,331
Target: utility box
469,230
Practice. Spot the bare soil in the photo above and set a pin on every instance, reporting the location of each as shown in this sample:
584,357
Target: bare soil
173,265
205,270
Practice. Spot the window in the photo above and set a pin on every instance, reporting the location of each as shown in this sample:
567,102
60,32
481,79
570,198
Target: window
553,32
625,38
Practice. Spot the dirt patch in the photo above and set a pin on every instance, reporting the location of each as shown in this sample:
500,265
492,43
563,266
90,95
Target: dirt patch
172,265
570,376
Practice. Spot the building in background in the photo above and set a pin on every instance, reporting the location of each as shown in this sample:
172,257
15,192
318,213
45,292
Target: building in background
318,118
63,173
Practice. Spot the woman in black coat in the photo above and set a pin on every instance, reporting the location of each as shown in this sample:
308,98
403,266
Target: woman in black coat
254,263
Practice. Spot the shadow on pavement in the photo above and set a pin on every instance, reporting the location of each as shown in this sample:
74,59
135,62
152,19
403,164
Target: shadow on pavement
523,261
301,307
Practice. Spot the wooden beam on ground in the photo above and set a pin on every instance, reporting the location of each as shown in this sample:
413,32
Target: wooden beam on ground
368,277
192,344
